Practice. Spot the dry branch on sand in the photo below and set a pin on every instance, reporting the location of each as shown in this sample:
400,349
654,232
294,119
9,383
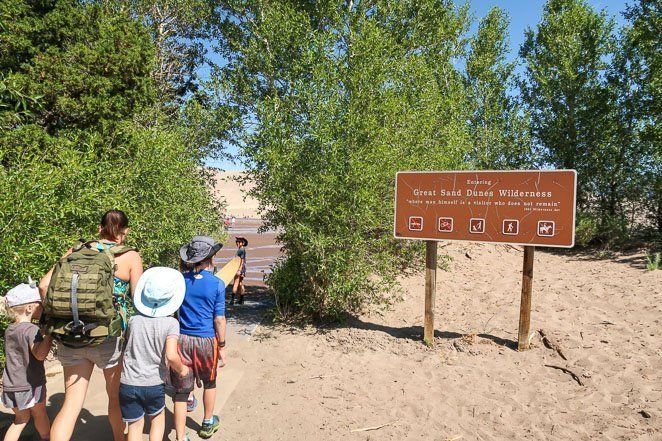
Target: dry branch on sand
365,429
550,343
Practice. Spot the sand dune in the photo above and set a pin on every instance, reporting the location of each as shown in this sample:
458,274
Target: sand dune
228,189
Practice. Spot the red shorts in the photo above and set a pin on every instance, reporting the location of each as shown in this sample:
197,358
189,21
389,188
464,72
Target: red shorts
200,354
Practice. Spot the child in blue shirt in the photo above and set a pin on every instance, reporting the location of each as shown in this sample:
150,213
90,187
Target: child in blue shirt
202,333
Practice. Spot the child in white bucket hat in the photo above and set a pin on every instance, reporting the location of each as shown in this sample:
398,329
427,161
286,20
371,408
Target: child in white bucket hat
151,350
24,378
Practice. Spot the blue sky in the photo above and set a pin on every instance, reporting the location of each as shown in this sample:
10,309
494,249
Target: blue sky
523,14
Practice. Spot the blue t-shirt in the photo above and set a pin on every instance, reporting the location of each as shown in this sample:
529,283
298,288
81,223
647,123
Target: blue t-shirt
204,300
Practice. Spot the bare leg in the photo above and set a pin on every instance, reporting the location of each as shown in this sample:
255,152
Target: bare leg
180,419
235,288
136,430
113,390
76,380
208,401
157,429
21,419
41,421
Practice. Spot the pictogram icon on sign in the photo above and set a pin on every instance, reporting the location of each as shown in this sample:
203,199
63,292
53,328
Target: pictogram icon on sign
415,223
445,224
476,225
510,226
546,228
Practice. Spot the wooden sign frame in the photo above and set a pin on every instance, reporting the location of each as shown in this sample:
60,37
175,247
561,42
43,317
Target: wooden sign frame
438,197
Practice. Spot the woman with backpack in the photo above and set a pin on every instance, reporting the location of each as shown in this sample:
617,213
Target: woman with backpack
82,344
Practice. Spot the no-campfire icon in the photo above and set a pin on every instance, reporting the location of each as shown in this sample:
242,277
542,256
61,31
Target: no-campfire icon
546,228
445,224
415,223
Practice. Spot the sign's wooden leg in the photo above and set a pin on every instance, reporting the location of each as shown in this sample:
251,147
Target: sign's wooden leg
525,305
430,290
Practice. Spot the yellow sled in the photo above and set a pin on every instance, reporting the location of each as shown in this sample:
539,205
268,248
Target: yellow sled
227,273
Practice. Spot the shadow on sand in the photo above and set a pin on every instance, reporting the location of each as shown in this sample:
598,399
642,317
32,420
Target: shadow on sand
636,258
415,333
256,303
88,426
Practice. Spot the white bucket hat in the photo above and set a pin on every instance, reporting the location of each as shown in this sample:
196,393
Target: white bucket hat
23,294
160,292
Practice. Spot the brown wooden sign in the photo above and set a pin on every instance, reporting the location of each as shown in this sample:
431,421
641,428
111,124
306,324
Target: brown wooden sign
521,207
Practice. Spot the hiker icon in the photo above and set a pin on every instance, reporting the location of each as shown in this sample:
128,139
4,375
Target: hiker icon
546,228
510,226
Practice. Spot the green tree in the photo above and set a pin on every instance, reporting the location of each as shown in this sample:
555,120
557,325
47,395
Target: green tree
337,96
179,31
498,125
565,90
81,132
639,72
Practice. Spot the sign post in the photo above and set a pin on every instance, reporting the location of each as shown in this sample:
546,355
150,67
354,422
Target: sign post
430,290
522,207
525,304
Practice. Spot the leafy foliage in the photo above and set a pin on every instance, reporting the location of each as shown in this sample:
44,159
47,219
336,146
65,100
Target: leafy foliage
82,131
336,98
498,124
586,112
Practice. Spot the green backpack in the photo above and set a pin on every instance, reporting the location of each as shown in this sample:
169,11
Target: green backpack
78,309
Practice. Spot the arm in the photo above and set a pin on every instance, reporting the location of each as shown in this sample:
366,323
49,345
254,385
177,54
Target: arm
219,320
174,360
219,327
41,348
135,269
46,280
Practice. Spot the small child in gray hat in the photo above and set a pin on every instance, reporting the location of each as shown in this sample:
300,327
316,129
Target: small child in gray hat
24,378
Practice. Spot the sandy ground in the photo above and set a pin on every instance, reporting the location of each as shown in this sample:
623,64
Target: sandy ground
371,378
228,189
373,372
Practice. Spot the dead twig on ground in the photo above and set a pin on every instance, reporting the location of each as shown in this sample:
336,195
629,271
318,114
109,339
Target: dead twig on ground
365,429
567,371
321,377
551,343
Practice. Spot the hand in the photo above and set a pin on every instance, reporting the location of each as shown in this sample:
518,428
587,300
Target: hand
184,372
222,360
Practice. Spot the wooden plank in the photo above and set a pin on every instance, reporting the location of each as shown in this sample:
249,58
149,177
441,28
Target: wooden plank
525,305
430,288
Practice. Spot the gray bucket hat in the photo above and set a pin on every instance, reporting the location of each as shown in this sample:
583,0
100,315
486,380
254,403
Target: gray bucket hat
199,249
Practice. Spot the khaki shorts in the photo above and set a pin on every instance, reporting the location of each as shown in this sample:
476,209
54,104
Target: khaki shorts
105,355
25,399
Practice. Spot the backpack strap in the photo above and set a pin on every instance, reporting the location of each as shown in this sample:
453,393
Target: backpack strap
120,249
74,300
80,244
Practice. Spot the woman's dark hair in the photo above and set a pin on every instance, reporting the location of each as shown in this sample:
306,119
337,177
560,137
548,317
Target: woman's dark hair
113,223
